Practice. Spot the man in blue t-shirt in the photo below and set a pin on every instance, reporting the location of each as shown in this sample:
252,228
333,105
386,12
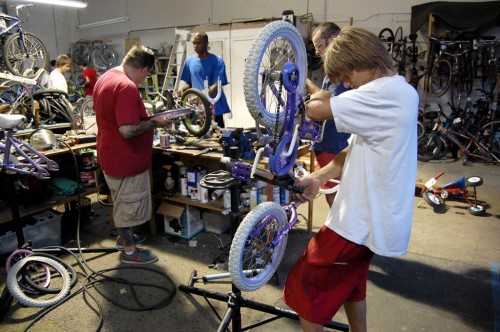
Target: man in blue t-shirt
205,65
332,142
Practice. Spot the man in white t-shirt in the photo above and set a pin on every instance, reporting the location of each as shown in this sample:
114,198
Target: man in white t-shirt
56,77
373,209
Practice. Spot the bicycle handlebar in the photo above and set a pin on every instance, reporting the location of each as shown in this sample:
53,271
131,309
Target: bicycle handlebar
219,91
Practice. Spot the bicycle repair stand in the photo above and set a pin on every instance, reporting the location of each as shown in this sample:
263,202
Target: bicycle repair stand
13,187
235,300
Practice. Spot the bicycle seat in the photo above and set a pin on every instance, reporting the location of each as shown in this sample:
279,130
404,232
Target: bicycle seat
49,94
11,120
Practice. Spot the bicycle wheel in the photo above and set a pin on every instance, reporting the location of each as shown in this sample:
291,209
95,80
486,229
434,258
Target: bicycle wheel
278,43
38,273
200,120
80,53
37,302
429,147
17,99
104,57
25,57
440,78
386,36
252,261
491,138
420,129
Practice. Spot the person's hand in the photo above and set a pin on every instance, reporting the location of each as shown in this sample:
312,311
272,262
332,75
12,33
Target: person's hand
163,122
321,94
310,187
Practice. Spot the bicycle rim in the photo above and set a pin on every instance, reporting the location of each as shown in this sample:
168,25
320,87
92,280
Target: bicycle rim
429,147
25,63
20,99
440,78
250,249
200,120
278,43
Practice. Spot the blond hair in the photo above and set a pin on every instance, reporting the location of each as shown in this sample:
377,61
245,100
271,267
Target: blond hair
355,48
63,60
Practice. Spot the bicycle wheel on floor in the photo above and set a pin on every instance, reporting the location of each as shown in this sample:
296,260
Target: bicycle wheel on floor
23,57
36,301
253,259
429,147
200,120
278,43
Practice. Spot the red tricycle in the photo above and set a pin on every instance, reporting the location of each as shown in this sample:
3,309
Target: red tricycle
458,189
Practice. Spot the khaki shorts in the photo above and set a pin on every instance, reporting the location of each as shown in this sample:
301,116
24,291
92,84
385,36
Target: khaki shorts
131,199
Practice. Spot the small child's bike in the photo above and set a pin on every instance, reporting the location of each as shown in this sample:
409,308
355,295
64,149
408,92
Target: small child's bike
458,189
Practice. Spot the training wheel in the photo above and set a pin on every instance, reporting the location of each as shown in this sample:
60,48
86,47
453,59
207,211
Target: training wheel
477,210
474,181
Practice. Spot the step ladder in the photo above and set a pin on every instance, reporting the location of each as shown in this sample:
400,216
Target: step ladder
175,63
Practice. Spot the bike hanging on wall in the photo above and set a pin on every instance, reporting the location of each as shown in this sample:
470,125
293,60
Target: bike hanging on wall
23,52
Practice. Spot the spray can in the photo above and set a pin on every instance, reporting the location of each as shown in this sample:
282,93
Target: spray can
285,196
203,195
216,194
183,181
227,199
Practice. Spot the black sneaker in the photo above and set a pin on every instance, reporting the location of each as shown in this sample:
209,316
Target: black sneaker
140,256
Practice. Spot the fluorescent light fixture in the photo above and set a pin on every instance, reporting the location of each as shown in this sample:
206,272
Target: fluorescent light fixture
67,3
101,23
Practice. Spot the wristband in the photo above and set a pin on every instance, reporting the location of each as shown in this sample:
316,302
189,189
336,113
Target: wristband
155,124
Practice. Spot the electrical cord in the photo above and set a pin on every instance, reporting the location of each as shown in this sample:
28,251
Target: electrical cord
94,278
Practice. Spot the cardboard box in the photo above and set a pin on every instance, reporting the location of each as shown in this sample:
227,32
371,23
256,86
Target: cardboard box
181,220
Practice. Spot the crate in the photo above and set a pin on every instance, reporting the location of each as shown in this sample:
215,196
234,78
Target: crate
43,230
8,243
216,222
184,221
46,231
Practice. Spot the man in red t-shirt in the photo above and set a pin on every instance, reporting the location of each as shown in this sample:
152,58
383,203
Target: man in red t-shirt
124,147
89,74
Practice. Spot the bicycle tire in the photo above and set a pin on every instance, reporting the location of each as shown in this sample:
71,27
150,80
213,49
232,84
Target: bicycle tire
250,247
104,57
24,64
491,138
200,120
71,272
277,43
20,99
440,78
429,147
80,53
420,129
386,35
15,257
21,297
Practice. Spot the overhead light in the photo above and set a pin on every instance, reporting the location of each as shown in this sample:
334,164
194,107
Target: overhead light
67,3
101,23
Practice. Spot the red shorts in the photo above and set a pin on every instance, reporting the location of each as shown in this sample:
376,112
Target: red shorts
322,159
316,287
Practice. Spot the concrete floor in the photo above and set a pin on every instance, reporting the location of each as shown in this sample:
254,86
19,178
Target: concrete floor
448,281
